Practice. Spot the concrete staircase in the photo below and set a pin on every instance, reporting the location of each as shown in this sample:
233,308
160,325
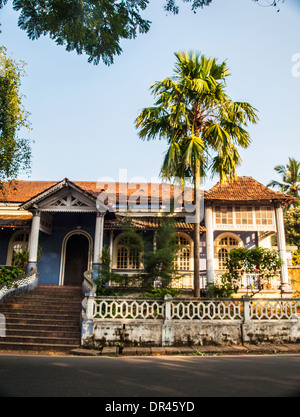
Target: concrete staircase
47,319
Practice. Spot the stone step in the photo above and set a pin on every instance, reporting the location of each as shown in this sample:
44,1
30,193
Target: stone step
45,319
49,327
41,347
41,340
31,308
42,316
30,321
43,333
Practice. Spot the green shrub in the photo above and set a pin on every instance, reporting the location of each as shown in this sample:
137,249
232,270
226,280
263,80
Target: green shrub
161,292
7,274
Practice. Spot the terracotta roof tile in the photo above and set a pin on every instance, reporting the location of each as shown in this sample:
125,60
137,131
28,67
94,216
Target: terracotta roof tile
242,189
147,223
245,189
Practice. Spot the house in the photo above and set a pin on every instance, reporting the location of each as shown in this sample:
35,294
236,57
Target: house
69,222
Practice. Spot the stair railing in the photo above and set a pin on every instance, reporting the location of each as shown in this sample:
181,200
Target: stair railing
88,288
19,285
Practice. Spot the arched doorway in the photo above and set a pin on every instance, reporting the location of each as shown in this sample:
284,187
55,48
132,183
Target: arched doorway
76,259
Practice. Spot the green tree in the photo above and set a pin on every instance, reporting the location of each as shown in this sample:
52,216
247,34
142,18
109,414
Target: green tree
257,260
290,174
15,152
292,225
201,125
95,28
159,263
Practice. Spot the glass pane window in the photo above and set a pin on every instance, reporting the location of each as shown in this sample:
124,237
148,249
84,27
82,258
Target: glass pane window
224,246
244,215
222,258
183,256
224,215
122,261
19,246
128,258
264,215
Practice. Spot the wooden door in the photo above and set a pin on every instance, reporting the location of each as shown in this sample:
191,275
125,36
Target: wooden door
76,263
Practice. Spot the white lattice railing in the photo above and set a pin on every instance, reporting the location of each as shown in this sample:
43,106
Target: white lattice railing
20,284
129,309
275,309
112,308
206,310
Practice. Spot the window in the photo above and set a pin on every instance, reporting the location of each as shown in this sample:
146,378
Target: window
224,215
244,215
128,257
228,241
224,246
222,258
18,244
264,215
183,256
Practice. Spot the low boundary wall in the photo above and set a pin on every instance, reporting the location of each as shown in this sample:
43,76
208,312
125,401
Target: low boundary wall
176,322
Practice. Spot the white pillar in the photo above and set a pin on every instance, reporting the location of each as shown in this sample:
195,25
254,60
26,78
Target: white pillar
209,244
98,241
33,243
285,284
111,247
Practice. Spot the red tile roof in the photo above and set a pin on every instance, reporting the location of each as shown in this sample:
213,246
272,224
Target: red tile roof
245,189
242,189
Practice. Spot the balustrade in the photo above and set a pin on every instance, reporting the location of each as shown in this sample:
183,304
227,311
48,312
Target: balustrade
124,308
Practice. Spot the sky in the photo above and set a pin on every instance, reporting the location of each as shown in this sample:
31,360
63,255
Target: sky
82,116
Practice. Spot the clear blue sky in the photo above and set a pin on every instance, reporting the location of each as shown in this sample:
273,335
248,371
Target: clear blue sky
83,115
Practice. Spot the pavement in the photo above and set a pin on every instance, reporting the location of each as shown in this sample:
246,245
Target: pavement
245,349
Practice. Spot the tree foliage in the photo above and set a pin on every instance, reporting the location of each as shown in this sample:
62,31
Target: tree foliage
158,263
201,124
93,27
15,152
292,225
257,260
290,183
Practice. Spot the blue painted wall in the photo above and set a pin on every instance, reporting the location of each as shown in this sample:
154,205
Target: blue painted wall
63,223
51,245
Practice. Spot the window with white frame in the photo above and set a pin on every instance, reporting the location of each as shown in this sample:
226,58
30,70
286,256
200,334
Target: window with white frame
244,215
222,258
224,246
18,244
182,261
128,257
223,215
264,215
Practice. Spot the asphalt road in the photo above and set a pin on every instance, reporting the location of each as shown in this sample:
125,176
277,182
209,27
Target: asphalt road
150,377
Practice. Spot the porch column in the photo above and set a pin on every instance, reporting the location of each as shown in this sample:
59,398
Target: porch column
286,289
98,243
33,242
209,244
111,247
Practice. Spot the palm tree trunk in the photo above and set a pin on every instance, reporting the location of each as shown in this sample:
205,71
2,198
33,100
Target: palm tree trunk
197,233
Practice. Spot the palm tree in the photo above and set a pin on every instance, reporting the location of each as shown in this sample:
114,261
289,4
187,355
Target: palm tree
200,123
290,178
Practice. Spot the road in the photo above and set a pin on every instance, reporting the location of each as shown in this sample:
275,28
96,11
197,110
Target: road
150,377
